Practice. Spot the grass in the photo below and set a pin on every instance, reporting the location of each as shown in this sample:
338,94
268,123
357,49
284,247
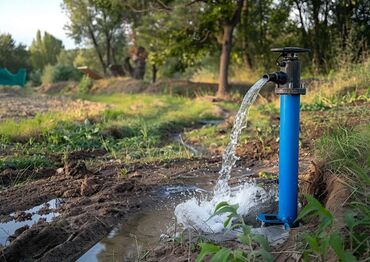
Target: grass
134,127
346,153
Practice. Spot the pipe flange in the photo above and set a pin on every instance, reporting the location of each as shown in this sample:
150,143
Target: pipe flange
290,91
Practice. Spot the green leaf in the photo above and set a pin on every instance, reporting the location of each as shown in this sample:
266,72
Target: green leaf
312,241
206,249
239,256
222,255
314,207
262,241
336,244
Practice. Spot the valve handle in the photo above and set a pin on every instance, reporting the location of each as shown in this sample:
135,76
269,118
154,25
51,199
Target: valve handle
290,50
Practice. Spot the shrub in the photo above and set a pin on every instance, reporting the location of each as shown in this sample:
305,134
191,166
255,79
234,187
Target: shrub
65,73
84,85
57,73
48,75
35,78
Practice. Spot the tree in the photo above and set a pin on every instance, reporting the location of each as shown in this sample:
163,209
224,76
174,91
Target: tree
12,56
191,30
44,50
97,23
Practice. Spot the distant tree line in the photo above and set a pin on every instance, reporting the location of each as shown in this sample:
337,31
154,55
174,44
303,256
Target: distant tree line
182,35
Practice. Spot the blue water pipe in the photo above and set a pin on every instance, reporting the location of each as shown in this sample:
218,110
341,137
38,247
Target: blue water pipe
289,88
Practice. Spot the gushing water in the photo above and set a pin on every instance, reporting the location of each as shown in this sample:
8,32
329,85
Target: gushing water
195,213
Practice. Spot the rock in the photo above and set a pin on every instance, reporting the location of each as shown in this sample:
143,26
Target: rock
60,171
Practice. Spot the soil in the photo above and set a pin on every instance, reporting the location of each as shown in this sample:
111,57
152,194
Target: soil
13,105
94,202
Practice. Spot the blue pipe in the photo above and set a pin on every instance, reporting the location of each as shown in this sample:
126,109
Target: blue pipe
288,158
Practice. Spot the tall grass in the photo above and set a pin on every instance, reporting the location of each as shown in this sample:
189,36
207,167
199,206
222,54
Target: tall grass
346,153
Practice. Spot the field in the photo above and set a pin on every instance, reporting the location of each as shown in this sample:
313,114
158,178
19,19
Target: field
106,156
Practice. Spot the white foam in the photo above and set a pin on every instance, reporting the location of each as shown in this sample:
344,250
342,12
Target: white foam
195,213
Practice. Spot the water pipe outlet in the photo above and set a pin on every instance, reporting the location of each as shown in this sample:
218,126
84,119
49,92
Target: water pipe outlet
289,87
280,78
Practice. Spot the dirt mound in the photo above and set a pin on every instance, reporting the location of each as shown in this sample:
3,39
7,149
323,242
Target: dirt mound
118,85
64,87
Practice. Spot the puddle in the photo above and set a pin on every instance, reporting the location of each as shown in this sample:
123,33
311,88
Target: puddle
46,211
143,230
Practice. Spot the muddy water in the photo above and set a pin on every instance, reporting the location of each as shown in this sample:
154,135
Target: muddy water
144,230
31,216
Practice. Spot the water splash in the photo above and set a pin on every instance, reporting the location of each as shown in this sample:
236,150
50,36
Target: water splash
229,158
195,213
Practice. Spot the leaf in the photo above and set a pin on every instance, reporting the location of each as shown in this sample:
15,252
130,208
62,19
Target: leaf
336,244
266,256
222,255
314,207
262,241
312,242
206,249
239,256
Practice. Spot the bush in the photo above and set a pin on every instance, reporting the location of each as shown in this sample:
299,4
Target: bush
84,85
48,75
65,73
35,78
58,73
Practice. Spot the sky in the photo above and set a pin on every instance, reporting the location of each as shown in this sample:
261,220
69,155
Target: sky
22,19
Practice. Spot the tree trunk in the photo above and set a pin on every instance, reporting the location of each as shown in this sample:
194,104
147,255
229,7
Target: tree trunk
96,47
246,56
224,60
154,73
228,29
109,49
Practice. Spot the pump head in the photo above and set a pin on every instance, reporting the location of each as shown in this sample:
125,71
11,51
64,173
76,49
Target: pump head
288,79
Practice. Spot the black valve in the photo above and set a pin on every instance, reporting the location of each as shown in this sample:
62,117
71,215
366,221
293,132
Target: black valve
279,78
288,80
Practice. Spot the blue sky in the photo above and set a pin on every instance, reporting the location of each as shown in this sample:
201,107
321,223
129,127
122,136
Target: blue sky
22,18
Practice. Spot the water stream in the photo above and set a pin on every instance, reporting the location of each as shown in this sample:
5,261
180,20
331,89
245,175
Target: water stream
195,213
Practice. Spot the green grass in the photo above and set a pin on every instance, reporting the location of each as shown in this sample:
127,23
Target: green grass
135,127
346,153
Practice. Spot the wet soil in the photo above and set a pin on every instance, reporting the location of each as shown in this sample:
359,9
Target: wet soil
95,201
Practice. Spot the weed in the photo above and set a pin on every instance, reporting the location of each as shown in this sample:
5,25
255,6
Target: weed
257,245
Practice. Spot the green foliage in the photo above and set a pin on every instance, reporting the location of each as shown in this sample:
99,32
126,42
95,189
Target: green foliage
48,75
35,78
44,50
324,236
12,56
346,153
57,73
258,246
66,73
84,85
137,127
25,162
98,23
